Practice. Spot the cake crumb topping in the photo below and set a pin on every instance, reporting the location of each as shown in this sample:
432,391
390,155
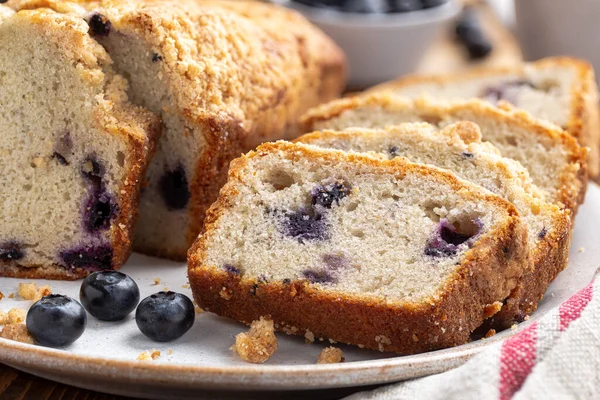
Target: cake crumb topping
149,355
17,332
31,291
309,337
258,344
331,355
16,315
492,309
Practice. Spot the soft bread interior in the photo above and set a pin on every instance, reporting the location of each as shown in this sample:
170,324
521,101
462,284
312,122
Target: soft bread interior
380,237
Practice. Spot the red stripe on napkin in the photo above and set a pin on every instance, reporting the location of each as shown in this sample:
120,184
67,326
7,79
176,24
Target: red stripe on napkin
571,309
517,359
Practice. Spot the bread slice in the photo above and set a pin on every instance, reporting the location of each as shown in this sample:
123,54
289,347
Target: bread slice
385,254
559,89
224,76
556,163
458,148
73,150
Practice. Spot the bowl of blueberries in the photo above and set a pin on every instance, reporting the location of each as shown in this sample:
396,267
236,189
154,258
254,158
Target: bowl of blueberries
382,39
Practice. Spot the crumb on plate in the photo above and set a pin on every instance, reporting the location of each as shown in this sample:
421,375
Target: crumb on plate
16,315
1,295
492,309
3,318
170,352
490,333
11,296
149,355
258,344
17,332
157,281
331,355
31,291
186,286
309,337
581,249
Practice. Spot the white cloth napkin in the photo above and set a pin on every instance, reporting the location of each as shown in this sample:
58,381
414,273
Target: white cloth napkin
557,357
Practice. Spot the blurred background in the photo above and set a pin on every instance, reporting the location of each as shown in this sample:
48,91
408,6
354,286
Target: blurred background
385,39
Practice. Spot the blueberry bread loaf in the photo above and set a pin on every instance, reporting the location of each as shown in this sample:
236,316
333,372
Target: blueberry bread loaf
556,163
458,148
560,90
385,254
73,150
224,76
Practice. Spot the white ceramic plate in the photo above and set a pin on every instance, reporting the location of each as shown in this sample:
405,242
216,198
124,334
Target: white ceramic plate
104,358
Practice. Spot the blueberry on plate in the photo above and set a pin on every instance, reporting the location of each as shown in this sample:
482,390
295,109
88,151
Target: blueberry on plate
165,316
109,295
56,320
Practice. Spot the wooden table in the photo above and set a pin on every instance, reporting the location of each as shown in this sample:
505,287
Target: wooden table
444,56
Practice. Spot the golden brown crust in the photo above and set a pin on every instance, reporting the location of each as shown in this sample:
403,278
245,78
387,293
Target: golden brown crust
573,179
488,273
584,121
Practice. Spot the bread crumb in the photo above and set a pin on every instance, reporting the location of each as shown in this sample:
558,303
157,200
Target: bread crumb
513,326
165,289
331,355
1,295
16,315
332,341
225,294
170,352
149,355
490,333
197,309
526,318
17,332
3,318
309,337
383,340
186,286
11,296
581,249
492,309
157,281
258,344
31,291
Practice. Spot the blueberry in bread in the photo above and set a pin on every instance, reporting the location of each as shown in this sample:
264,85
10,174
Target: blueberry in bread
556,163
560,90
224,76
73,150
385,254
458,148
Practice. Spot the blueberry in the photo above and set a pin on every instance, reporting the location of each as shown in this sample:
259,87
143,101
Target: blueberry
109,295
542,234
326,195
100,25
173,186
60,158
400,6
469,32
394,151
318,276
467,155
446,239
156,57
304,227
433,3
56,320
100,209
165,316
11,251
504,90
231,269
89,257
365,6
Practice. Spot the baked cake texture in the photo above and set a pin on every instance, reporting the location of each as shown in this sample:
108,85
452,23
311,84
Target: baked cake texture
459,149
556,163
73,150
560,89
224,76
386,254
